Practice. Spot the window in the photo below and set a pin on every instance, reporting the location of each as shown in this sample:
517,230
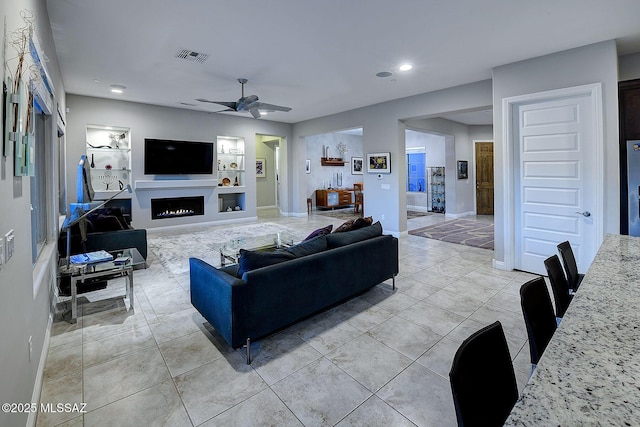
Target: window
416,172
39,224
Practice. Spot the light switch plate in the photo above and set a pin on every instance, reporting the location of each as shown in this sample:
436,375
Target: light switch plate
8,245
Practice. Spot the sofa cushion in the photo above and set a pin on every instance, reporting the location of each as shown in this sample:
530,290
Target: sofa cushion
335,240
320,232
308,247
251,260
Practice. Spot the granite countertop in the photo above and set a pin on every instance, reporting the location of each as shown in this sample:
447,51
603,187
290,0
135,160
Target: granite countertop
590,372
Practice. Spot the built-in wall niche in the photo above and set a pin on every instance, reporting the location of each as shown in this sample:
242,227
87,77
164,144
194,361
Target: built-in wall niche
109,155
177,207
231,162
231,202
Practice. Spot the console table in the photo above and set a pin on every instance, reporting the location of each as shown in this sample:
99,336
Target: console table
588,374
334,198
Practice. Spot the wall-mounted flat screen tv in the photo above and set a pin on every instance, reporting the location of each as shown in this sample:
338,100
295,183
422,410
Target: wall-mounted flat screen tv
170,157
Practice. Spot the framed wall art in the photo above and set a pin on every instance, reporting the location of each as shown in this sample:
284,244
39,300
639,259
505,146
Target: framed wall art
307,166
356,166
379,163
261,168
463,169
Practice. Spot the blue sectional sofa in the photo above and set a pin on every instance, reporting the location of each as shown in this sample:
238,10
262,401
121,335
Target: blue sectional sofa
304,280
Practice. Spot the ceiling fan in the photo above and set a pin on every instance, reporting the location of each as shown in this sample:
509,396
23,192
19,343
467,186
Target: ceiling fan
247,103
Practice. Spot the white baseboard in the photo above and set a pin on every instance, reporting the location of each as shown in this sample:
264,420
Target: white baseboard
37,387
459,215
498,265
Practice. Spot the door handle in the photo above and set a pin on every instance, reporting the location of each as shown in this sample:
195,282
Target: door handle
585,214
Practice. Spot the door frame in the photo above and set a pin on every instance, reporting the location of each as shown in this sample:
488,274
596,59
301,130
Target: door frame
475,177
510,154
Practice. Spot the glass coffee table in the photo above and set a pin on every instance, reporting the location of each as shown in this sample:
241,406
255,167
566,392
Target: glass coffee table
230,251
106,270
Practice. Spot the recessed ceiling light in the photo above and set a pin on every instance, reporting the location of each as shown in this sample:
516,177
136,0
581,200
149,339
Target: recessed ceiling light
384,74
406,67
118,88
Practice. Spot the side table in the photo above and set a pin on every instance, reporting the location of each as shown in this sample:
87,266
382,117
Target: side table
78,273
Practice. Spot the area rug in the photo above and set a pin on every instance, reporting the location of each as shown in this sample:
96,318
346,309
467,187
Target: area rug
174,248
343,214
417,214
347,214
461,231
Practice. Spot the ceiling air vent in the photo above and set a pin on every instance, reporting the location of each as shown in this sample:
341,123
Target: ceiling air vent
190,55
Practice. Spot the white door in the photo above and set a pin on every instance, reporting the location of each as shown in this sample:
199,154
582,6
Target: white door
556,181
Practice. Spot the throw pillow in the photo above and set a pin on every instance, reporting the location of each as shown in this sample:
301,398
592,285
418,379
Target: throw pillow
362,222
341,239
308,247
346,226
251,260
320,232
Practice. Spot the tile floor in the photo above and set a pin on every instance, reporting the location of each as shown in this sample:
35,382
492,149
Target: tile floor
381,359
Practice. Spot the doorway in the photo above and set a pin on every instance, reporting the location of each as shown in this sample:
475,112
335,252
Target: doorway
553,150
268,185
484,178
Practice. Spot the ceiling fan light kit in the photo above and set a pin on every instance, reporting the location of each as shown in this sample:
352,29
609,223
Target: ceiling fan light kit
249,103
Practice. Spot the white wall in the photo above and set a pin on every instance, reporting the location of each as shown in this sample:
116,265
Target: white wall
629,67
148,121
322,176
595,63
384,131
26,290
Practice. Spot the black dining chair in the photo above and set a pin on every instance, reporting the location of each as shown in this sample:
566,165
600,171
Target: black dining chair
482,379
559,285
570,267
538,317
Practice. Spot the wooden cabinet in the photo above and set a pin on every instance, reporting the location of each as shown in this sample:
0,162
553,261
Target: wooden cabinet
333,198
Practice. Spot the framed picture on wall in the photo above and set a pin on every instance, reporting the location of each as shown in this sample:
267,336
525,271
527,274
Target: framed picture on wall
379,163
307,166
356,166
463,169
261,168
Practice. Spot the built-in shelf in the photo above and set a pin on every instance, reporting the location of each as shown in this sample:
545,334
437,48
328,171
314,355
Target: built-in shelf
157,184
331,161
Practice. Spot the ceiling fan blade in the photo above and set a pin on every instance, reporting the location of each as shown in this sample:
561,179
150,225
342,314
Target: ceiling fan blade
255,113
270,107
231,105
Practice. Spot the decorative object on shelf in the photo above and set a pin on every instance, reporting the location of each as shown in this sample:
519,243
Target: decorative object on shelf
107,180
379,163
342,148
226,182
116,138
261,168
307,166
356,166
235,182
219,163
233,165
229,209
108,167
93,163
238,208
463,169
339,179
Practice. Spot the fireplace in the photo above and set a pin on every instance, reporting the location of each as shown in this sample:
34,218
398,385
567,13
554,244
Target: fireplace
177,207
